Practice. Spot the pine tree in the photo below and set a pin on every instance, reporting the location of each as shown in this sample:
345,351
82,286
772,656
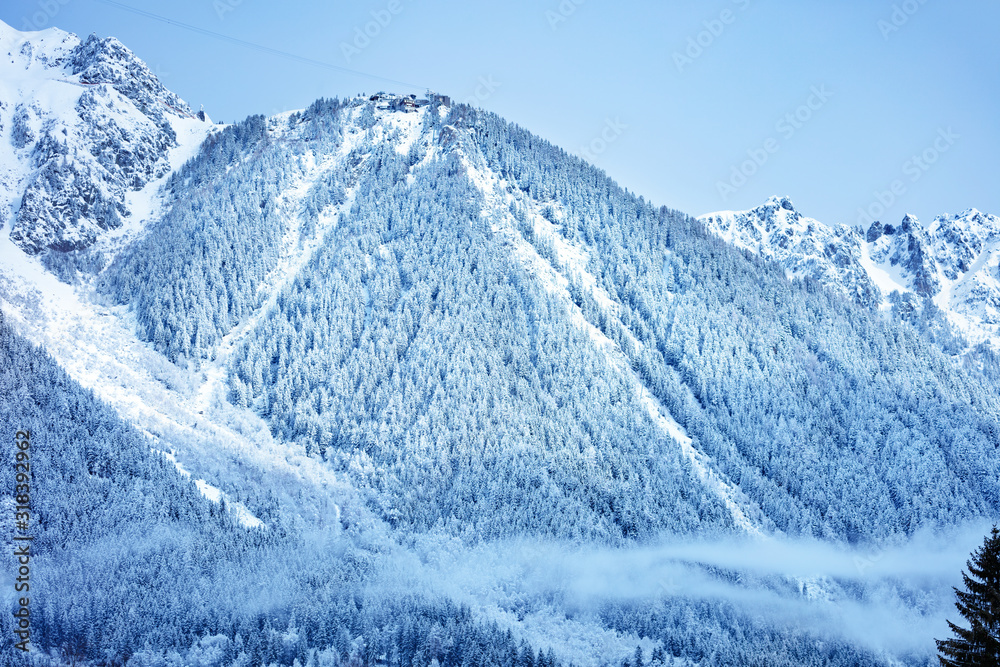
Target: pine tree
980,605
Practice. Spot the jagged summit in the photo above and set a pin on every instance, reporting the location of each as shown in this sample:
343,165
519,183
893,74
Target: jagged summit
953,261
783,202
88,123
428,354
108,61
803,246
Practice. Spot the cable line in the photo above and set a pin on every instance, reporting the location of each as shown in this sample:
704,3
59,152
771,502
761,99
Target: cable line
259,47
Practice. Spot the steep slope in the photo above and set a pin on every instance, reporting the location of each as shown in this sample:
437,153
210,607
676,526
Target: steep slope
803,246
495,340
236,464
369,310
130,564
87,126
451,394
952,263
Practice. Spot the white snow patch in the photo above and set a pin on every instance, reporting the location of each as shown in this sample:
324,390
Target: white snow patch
98,347
498,199
209,491
886,277
243,515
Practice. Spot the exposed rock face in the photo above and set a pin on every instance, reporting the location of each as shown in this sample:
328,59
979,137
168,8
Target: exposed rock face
803,246
90,124
953,264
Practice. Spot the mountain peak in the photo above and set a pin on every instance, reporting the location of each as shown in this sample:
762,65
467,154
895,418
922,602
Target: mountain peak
948,261
90,124
971,221
780,202
107,61
26,51
10,34
804,247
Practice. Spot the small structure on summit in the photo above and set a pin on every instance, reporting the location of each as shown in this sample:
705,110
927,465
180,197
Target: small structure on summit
443,100
390,102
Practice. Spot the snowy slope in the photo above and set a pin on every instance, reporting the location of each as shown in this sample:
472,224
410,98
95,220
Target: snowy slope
185,412
94,111
569,263
227,450
953,261
803,246
88,126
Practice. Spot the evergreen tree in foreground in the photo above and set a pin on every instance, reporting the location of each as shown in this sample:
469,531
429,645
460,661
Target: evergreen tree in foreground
980,605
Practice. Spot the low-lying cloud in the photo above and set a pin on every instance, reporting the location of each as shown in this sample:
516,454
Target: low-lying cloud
892,599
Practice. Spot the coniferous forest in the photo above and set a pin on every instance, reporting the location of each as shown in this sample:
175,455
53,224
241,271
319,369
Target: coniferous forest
430,391
411,350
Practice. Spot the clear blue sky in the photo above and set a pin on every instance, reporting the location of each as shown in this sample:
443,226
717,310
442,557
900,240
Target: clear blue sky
679,120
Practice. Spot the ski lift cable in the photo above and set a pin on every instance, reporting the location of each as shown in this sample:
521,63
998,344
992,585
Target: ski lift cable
258,47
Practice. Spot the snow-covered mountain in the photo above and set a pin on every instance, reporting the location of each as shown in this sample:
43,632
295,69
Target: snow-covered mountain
952,263
398,382
803,246
86,126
